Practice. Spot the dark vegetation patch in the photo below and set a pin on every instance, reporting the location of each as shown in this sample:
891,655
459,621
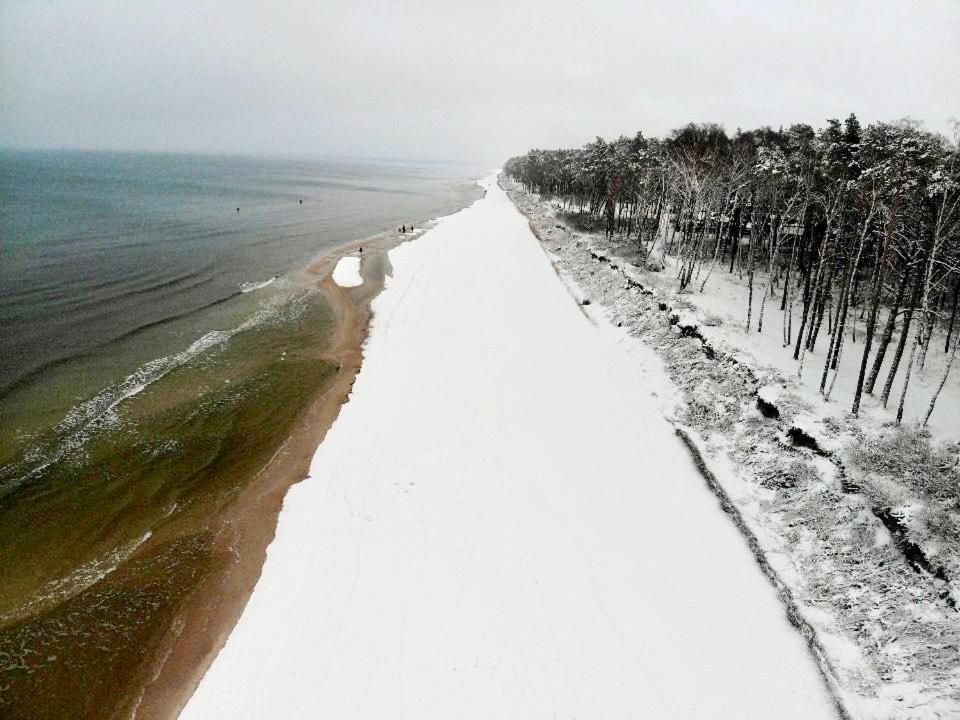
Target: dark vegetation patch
801,438
768,409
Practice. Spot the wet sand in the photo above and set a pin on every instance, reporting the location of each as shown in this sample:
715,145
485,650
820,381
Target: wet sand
244,531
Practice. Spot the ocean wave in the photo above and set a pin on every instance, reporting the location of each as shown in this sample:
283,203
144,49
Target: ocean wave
61,589
33,373
75,427
152,287
99,412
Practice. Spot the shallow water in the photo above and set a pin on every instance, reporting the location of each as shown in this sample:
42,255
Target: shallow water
157,349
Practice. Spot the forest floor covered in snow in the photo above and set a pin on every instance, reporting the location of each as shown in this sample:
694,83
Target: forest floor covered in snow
856,519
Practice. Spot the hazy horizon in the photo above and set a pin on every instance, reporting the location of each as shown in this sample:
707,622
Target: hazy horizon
308,155
456,83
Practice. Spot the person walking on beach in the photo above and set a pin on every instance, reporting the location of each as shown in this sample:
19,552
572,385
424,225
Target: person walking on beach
403,229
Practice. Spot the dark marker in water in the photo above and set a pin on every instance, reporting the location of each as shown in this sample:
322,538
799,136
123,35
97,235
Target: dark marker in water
238,209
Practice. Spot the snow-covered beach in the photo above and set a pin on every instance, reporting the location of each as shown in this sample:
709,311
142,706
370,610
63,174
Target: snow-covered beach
502,524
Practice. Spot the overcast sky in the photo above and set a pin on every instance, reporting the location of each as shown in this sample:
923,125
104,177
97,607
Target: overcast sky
460,79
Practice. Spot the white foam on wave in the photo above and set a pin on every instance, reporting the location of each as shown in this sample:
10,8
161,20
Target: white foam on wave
100,411
251,286
63,588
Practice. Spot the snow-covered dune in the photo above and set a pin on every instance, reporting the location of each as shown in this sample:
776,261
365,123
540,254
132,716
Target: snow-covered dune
501,524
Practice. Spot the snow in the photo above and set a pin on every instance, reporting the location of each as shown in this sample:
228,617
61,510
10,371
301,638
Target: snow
725,295
816,508
502,524
347,272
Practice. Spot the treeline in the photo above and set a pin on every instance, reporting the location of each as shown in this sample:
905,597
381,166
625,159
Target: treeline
851,222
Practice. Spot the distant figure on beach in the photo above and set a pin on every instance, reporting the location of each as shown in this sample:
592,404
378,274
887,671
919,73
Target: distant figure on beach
403,229
238,209
411,228
301,201
361,249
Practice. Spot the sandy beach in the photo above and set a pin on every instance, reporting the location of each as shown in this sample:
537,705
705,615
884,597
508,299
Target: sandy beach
501,523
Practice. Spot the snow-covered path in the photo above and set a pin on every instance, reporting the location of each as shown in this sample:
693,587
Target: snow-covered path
501,525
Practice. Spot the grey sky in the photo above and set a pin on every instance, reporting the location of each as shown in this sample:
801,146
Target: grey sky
457,80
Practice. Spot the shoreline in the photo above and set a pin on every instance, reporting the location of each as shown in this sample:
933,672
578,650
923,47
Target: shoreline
245,530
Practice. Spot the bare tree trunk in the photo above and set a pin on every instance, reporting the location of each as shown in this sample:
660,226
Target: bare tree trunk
887,334
807,301
943,381
875,302
803,217
939,239
737,232
927,336
771,256
918,336
721,229
902,342
750,279
953,314
825,295
786,306
833,381
816,304
906,380
836,338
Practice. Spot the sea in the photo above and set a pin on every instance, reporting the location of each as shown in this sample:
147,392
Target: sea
155,346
